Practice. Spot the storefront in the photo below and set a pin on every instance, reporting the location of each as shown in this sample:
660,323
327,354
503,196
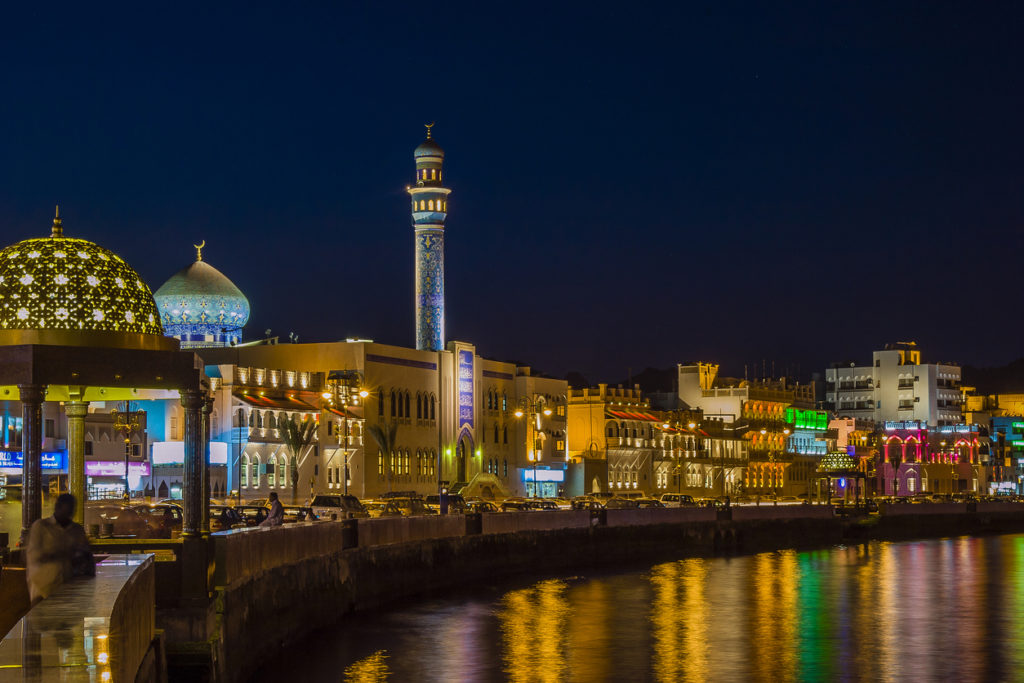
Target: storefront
543,482
104,479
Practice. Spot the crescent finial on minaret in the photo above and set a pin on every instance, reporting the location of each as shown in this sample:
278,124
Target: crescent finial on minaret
199,250
428,126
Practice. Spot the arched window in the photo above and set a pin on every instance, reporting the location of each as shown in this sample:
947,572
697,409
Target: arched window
260,419
490,400
252,419
394,404
504,434
433,402
504,402
505,468
271,471
255,479
430,205
380,463
407,413
394,463
282,475
433,174
407,458
495,432
380,402
419,406
243,472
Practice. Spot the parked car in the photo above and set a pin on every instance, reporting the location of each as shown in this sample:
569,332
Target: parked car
586,503
560,503
482,506
456,503
253,514
298,513
257,501
541,504
677,500
515,505
164,520
382,508
620,504
338,506
223,517
649,503
119,521
631,495
410,507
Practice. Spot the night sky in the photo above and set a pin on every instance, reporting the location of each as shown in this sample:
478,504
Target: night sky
633,185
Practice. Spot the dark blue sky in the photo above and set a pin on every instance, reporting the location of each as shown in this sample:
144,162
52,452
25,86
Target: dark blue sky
632,184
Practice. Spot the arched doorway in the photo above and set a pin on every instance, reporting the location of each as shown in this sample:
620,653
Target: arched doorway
463,453
162,491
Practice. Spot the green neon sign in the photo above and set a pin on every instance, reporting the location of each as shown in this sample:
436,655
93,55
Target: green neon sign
816,420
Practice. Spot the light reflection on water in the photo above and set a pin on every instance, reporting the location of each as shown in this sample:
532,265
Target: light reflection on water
924,611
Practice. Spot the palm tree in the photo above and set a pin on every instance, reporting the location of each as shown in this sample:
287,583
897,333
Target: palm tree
385,436
296,436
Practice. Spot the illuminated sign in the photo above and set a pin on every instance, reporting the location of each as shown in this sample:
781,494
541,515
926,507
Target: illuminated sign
465,370
807,419
114,468
958,429
891,426
172,453
50,460
544,475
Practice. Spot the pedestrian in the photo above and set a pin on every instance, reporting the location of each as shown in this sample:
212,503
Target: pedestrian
276,516
57,551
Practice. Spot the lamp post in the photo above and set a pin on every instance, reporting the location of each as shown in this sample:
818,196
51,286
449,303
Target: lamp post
532,411
346,391
126,422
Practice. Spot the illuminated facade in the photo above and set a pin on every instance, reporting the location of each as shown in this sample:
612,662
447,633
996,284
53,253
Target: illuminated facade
455,411
897,387
201,307
429,210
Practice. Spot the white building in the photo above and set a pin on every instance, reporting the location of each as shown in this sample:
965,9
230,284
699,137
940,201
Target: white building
896,387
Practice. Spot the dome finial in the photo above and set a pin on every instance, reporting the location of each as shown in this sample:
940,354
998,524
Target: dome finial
58,228
199,250
428,126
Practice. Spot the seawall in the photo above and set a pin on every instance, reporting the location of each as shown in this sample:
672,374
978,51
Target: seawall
275,585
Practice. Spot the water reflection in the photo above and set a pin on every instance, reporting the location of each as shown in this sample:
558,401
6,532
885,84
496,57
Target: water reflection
533,625
949,609
372,669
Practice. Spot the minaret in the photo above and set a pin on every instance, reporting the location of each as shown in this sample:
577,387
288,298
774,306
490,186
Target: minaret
429,209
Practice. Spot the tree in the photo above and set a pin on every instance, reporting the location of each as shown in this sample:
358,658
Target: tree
296,436
385,436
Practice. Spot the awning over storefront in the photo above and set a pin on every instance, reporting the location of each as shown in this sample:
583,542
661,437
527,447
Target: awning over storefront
624,415
290,402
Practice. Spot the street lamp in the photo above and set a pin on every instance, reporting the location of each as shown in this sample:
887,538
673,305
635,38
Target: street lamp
532,410
346,391
126,422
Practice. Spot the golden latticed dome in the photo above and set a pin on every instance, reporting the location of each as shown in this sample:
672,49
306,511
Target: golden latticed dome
60,290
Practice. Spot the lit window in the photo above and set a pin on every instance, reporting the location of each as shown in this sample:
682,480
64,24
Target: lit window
430,205
433,174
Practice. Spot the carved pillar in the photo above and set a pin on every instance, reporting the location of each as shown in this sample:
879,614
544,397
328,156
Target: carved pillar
192,401
207,410
32,396
76,412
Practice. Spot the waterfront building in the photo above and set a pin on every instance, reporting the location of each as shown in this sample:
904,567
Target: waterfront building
916,458
896,387
756,410
618,443
201,307
479,426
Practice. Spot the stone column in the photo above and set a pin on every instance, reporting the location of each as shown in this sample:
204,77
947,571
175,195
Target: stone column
207,410
32,396
76,412
192,401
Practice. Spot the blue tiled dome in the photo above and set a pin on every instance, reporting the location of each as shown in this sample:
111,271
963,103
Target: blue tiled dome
200,306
